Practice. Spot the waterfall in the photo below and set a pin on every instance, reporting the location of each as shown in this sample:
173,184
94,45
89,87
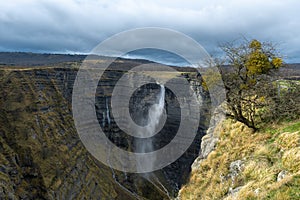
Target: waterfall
156,111
153,119
107,111
106,114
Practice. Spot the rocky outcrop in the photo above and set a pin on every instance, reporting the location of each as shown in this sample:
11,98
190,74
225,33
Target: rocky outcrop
209,141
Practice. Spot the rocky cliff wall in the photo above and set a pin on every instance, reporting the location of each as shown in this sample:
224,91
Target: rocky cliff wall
42,156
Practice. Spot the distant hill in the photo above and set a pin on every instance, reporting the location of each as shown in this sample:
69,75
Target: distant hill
25,59
290,71
32,59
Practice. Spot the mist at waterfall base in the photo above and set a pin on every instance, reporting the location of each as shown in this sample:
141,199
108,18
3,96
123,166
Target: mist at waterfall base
154,116
159,56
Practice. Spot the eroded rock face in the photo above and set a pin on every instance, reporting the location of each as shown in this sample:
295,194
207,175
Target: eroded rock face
209,141
42,156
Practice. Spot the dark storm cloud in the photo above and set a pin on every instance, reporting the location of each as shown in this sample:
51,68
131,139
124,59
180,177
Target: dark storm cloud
78,26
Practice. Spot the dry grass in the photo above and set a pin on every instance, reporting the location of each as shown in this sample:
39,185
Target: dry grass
291,159
288,140
264,154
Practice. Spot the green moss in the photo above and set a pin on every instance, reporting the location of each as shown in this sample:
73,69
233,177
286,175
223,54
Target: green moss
288,191
293,128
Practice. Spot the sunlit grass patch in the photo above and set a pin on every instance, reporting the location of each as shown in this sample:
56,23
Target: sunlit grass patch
264,154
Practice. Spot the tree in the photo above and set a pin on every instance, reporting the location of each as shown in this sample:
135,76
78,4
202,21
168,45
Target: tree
246,77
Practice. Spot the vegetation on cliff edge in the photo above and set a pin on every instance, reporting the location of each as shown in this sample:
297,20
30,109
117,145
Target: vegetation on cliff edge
248,165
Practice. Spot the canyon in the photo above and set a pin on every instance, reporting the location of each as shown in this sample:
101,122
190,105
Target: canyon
42,156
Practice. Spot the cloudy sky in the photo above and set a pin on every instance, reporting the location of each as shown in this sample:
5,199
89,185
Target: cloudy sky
76,26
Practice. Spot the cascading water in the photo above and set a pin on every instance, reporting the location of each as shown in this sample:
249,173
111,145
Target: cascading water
106,115
156,111
154,116
107,112
153,119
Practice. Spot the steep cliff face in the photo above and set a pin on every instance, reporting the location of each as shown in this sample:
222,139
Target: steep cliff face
40,151
41,154
174,175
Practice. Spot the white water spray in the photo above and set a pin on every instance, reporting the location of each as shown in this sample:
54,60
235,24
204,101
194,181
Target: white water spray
106,115
154,116
156,111
107,112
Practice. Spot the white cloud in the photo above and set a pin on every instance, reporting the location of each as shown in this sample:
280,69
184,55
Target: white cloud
79,25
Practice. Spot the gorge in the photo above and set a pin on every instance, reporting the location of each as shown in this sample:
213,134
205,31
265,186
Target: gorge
41,152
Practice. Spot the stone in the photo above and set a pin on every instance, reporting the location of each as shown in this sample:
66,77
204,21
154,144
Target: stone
257,191
281,175
235,168
234,191
210,139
